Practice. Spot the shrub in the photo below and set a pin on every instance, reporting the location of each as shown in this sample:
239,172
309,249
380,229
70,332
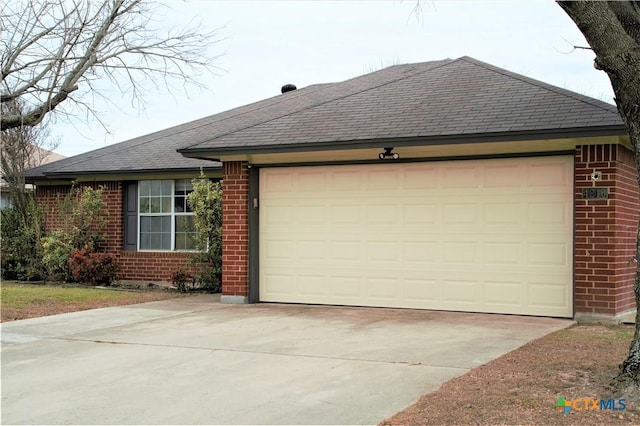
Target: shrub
206,203
84,216
180,280
91,267
20,248
56,253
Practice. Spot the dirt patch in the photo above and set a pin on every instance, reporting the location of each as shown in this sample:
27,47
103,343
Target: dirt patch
523,386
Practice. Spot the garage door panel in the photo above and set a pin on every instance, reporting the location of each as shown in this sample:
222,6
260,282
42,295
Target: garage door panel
420,252
419,290
460,175
383,251
420,213
277,213
482,235
278,285
503,176
420,177
504,293
548,213
382,180
312,285
459,252
347,288
461,292
383,290
460,213
547,295
279,182
549,173
503,213
346,250
311,181
546,254
502,254
381,213
346,214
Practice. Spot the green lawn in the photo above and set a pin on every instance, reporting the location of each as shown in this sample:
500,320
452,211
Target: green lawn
21,300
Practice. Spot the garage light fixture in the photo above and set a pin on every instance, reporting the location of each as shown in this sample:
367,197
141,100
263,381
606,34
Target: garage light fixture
388,152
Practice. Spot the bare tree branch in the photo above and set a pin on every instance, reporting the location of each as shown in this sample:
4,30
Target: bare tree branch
52,52
21,148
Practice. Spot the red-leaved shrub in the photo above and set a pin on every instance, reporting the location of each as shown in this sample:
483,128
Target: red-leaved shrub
90,267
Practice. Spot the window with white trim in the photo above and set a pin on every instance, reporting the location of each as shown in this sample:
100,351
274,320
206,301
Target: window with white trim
165,221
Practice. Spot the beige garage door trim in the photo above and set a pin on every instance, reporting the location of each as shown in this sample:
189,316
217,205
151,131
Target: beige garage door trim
477,235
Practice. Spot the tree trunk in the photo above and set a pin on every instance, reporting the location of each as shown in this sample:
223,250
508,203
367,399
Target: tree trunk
612,29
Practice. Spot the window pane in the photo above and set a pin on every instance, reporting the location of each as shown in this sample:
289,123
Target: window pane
180,224
184,224
166,241
166,187
145,224
144,205
181,241
155,225
144,188
154,205
179,204
144,241
183,186
155,240
166,204
166,224
155,187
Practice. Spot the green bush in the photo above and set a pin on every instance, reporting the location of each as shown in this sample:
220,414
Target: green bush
56,254
20,248
28,254
206,203
84,212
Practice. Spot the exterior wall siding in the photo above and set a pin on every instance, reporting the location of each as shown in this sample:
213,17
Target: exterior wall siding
134,265
605,230
235,228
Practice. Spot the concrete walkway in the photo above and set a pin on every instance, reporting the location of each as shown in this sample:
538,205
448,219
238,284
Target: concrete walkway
196,361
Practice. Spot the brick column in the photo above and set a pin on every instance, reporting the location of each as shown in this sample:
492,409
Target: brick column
605,231
235,228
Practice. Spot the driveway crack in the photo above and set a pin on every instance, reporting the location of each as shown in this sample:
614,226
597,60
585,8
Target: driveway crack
200,348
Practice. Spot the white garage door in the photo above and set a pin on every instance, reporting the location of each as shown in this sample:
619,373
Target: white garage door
477,235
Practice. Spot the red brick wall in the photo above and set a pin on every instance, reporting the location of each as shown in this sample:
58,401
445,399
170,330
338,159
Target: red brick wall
605,230
137,266
150,266
235,228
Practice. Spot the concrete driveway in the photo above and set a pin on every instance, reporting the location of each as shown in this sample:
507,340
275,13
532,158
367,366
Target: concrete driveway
195,361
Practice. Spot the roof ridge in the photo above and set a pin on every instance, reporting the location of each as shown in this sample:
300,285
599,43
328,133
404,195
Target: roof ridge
437,64
543,85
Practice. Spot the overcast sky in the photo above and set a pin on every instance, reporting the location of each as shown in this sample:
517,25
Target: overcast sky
267,44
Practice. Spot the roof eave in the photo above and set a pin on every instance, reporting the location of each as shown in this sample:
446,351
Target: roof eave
70,176
454,139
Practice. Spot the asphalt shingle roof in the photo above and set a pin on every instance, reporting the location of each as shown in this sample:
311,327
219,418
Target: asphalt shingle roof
421,102
432,99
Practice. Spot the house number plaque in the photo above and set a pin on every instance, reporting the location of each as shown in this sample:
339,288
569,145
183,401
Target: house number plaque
595,193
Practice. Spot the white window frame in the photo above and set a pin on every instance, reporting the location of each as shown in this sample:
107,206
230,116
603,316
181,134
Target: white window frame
173,214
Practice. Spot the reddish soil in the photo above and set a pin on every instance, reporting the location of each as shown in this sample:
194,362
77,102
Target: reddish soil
523,386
